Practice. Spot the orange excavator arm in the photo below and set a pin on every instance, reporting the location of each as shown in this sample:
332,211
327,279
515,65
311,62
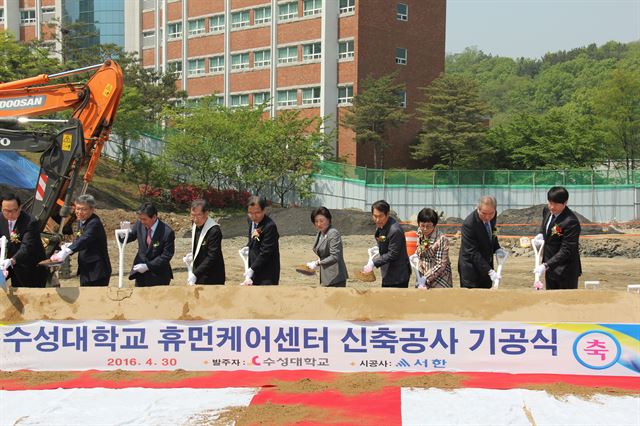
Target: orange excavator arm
94,103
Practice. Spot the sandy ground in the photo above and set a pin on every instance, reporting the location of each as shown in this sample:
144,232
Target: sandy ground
613,273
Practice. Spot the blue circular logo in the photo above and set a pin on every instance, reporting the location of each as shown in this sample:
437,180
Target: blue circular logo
597,350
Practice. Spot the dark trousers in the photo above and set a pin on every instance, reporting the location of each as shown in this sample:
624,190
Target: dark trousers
341,284
554,283
102,282
398,285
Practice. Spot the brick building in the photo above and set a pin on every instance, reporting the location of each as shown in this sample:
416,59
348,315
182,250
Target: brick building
305,54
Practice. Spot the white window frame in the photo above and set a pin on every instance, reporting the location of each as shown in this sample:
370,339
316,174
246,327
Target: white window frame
316,51
403,99
402,16
347,54
2,15
289,14
173,68
30,19
218,27
262,62
266,98
316,10
219,67
219,99
196,31
350,6
264,18
238,101
174,30
288,59
315,97
148,38
346,99
243,65
244,22
49,10
197,71
289,102
401,59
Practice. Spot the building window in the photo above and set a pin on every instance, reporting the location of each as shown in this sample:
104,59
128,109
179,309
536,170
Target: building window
262,15
240,61
216,64
148,4
345,95
402,12
287,98
196,27
403,99
288,11
196,67
346,49
261,58
261,98
401,56
1,16
311,96
174,30
219,100
347,6
27,17
148,38
311,7
216,23
176,68
311,51
288,55
240,19
48,14
239,101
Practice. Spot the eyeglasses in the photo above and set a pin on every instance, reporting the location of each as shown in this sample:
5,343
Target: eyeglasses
426,225
10,210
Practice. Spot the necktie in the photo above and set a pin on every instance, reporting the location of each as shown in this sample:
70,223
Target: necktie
487,226
11,225
551,220
148,237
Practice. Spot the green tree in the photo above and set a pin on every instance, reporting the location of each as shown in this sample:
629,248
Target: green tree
618,102
22,60
454,124
376,109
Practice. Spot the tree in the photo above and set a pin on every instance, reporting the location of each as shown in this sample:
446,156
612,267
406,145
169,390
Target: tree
22,60
454,123
375,109
618,102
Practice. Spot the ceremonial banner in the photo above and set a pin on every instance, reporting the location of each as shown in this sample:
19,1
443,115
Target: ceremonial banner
342,346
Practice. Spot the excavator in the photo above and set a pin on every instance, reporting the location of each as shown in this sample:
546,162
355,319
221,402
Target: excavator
73,146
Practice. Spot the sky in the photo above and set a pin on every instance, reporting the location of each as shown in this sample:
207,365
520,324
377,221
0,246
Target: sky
531,28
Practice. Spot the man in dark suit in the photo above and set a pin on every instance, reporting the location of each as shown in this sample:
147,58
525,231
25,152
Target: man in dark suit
156,246
206,247
264,249
560,230
392,245
479,243
94,266
24,247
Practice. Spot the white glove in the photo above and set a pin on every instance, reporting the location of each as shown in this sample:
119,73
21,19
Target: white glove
188,259
61,255
494,275
125,225
540,269
368,267
312,265
538,237
248,274
140,268
6,264
247,281
192,279
422,282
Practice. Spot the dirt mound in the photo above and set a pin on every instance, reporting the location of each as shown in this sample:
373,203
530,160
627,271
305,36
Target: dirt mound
297,221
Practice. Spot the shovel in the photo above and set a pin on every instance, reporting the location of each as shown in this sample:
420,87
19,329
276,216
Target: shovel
501,259
413,261
537,251
3,254
121,234
244,255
